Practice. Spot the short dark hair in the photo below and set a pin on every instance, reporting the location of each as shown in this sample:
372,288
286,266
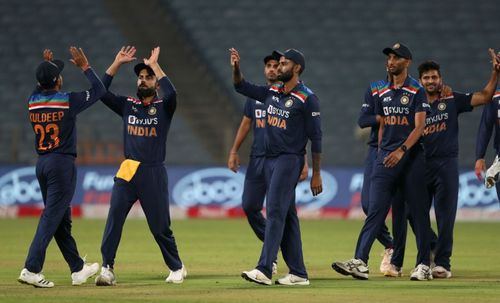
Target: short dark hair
428,66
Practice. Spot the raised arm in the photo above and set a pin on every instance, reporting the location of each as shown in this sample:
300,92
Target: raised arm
125,55
241,86
166,85
82,100
484,96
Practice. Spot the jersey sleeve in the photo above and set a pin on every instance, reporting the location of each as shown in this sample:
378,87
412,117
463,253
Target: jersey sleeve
248,110
463,102
420,101
486,125
251,90
367,115
313,123
169,95
79,101
114,102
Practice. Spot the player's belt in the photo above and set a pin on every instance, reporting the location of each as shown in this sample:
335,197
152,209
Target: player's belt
127,170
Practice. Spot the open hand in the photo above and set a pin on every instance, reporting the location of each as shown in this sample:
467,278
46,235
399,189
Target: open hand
234,57
125,55
153,59
78,58
48,55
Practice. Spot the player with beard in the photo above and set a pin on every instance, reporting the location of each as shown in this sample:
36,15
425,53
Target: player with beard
402,105
254,189
293,118
142,175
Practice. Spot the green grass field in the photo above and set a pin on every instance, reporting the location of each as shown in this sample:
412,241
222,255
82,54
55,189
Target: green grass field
216,251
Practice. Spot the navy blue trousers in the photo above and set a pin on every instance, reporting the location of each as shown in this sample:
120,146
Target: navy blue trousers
254,193
282,226
384,237
56,174
407,176
442,188
150,186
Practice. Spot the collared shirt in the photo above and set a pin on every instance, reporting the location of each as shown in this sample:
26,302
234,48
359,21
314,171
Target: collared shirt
145,126
440,136
53,115
256,111
292,118
398,107
489,120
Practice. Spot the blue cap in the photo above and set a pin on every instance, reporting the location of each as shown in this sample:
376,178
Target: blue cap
295,56
48,72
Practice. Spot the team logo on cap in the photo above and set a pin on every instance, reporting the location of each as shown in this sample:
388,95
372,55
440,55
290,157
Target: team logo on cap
396,46
289,103
404,100
152,111
442,106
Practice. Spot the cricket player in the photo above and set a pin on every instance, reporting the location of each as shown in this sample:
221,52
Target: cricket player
254,190
489,121
142,175
293,118
402,105
53,116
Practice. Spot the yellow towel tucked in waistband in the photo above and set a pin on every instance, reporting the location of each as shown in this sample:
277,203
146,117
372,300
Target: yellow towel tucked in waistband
127,169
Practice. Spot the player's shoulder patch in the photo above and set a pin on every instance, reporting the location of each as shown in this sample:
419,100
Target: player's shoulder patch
413,86
133,100
302,92
376,86
276,87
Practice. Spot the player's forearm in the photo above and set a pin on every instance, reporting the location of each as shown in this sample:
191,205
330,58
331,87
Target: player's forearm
237,76
241,135
417,132
159,73
98,89
316,163
113,68
486,95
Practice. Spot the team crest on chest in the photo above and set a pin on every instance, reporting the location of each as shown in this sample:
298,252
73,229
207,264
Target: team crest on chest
404,100
152,111
442,106
289,103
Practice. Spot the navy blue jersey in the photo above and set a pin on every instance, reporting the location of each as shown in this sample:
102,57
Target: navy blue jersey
398,108
292,118
256,111
489,119
53,115
145,127
440,136
367,115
